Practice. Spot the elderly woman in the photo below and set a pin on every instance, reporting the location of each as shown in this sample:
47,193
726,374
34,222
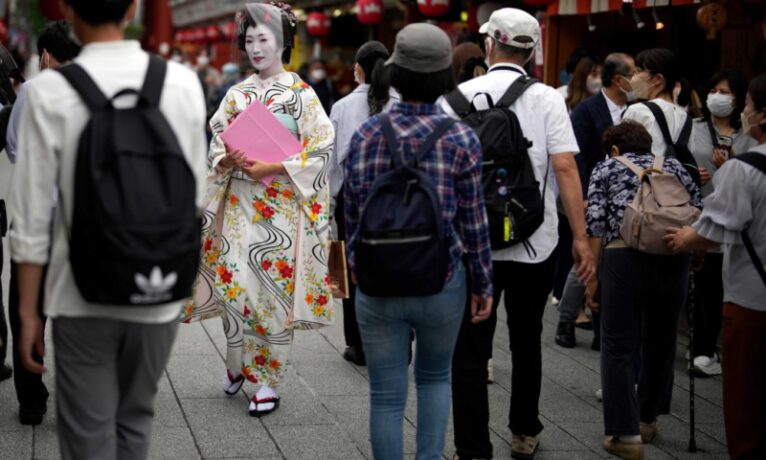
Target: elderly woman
264,265
641,294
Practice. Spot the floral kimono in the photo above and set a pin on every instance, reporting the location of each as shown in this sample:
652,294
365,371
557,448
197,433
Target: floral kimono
264,257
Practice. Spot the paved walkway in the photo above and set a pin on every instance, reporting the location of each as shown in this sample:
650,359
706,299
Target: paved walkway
324,408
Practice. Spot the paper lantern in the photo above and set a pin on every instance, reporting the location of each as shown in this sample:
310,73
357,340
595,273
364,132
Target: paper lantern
51,9
433,8
318,24
712,18
230,29
213,33
369,12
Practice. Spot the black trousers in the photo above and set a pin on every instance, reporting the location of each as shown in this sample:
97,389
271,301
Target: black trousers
30,389
563,255
708,305
526,288
641,298
350,326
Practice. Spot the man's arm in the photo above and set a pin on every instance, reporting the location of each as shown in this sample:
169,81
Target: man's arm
30,278
570,188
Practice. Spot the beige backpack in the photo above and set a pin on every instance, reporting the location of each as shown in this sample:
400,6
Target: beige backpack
662,201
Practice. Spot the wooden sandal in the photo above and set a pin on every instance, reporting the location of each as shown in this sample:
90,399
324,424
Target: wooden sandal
260,413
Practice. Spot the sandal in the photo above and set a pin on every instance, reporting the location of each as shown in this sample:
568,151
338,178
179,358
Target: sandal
232,384
254,412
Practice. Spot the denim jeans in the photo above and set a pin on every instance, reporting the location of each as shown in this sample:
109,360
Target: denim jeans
385,324
641,299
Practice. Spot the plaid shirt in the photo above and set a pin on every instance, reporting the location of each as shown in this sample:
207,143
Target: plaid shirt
454,165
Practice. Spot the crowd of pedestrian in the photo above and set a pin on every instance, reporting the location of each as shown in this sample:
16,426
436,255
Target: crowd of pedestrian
456,180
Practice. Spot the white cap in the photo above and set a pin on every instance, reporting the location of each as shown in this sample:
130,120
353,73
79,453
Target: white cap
513,27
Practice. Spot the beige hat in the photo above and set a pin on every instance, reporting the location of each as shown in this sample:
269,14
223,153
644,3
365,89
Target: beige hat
513,27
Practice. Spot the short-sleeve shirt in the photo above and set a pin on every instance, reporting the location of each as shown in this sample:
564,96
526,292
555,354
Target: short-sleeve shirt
545,122
674,114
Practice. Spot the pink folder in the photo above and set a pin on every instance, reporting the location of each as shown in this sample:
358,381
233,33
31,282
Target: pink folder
262,137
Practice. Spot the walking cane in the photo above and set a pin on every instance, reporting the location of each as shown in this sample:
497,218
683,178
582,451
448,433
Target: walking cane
690,310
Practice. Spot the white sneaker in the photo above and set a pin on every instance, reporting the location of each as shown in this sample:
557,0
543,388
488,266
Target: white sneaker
490,372
555,301
706,365
599,395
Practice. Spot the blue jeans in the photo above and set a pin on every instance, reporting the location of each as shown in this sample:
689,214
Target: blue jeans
385,324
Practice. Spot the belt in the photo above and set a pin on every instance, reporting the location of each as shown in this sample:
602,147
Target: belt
615,244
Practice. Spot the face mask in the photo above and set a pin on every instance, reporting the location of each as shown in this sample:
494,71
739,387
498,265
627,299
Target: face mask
640,87
318,75
629,95
720,105
203,61
593,85
176,58
745,119
357,79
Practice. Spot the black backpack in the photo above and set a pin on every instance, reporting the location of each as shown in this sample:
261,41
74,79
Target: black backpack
402,248
757,161
515,206
680,148
135,234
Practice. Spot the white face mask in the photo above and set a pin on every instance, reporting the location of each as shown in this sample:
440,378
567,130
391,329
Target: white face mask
720,105
318,75
203,61
261,47
593,85
630,95
640,86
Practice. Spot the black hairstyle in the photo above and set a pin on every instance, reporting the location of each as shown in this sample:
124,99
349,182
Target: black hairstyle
54,38
289,28
738,85
421,87
514,52
615,64
469,70
371,57
573,59
757,91
101,12
629,136
662,61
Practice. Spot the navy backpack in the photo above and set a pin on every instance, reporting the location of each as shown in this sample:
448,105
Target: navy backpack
402,249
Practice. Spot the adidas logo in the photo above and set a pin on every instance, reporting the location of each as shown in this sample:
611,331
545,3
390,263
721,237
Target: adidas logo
155,289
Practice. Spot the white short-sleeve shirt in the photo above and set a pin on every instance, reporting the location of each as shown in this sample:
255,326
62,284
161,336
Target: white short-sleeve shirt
545,122
674,114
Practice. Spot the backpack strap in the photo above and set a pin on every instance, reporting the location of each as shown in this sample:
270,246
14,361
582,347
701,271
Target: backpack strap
459,103
686,132
515,91
630,165
659,161
391,140
757,161
659,116
90,93
434,137
154,81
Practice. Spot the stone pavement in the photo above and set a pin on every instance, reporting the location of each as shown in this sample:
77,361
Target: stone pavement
325,406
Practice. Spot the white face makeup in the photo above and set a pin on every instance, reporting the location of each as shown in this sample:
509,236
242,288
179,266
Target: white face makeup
263,51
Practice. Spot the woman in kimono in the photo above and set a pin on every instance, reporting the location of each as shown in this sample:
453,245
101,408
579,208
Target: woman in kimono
264,257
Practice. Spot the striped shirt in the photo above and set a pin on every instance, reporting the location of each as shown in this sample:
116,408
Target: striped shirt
454,165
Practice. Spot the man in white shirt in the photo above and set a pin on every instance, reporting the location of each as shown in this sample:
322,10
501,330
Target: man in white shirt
526,278
108,358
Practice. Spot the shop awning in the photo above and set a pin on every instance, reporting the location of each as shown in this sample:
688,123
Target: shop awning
572,7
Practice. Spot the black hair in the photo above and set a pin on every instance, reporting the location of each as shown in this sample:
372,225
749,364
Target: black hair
662,61
469,72
371,57
513,52
615,64
573,59
738,85
629,136
421,87
101,12
757,93
288,29
317,60
54,38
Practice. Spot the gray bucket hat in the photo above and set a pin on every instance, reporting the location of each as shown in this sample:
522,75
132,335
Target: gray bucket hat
422,48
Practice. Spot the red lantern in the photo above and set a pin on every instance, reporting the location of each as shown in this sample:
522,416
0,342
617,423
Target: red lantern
230,29
197,35
178,37
318,24
213,33
433,8
51,9
369,12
